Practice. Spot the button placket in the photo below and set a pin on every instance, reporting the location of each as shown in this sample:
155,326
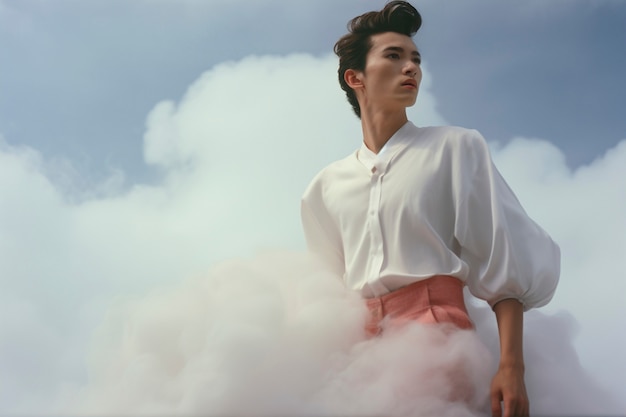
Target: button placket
376,238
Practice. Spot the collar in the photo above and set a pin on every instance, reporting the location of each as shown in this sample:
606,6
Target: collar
378,163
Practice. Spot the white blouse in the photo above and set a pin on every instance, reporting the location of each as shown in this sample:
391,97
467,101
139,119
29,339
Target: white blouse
430,203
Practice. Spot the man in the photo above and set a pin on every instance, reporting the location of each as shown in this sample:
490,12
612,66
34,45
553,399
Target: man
416,213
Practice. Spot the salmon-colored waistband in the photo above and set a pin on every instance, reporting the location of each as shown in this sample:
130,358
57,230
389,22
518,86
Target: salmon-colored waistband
438,289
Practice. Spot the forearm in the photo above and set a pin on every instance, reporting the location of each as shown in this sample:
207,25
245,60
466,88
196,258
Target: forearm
510,318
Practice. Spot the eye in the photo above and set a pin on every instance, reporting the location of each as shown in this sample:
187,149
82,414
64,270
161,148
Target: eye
393,55
417,60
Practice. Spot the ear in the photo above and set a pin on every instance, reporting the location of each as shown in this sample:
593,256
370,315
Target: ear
353,78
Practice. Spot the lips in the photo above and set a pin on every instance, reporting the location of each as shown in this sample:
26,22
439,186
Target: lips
411,82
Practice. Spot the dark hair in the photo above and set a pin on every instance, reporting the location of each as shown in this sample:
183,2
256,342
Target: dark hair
352,48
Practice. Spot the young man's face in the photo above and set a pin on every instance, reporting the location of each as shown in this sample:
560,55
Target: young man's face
392,72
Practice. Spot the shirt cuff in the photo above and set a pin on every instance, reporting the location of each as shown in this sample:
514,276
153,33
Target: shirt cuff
492,303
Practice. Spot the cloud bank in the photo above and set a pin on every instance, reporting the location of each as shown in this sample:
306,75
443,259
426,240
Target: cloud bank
235,152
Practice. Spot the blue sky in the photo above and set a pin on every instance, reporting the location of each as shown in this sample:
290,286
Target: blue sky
142,142
78,78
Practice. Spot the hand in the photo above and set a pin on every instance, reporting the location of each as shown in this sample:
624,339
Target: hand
508,387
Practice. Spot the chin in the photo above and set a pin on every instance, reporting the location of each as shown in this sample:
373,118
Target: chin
410,103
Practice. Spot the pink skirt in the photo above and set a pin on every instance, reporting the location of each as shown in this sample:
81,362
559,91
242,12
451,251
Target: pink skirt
436,300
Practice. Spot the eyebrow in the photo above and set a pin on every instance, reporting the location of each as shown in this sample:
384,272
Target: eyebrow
399,49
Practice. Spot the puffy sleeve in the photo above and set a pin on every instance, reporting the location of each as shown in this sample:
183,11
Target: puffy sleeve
508,254
321,234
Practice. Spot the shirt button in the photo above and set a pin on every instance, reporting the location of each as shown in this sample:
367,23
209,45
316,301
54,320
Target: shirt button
373,170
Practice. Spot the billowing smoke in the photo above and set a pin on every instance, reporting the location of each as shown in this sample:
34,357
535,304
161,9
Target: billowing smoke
210,305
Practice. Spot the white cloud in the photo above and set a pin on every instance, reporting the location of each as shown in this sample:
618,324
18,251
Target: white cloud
236,153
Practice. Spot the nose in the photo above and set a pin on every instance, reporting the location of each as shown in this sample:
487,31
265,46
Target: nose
410,69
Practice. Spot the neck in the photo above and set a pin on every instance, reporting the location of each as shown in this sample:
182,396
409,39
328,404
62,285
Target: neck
379,127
